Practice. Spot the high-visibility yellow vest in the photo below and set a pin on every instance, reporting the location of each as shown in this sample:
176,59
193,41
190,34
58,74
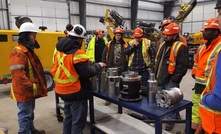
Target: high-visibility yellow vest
91,48
145,47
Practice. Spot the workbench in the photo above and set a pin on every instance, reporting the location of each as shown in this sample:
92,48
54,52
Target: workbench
150,110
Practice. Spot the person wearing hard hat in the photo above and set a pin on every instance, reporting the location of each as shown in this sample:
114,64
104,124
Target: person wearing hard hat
114,55
204,61
72,72
96,46
171,62
141,57
28,80
164,23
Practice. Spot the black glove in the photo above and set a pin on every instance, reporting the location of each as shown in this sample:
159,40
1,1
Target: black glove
199,88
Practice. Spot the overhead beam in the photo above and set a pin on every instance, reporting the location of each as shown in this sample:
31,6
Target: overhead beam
134,10
82,11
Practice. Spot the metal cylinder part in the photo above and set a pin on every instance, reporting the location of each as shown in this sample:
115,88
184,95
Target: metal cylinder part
112,85
167,98
103,80
130,82
152,90
112,72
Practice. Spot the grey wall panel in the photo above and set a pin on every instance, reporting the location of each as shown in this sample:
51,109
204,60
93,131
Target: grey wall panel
74,7
150,6
149,15
53,14
75,19
196,19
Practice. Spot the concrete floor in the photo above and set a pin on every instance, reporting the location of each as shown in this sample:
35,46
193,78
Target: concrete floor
46,119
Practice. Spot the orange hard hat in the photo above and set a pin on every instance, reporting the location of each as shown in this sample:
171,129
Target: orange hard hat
138,32
166,22
118,30
99,31
211,23
172,28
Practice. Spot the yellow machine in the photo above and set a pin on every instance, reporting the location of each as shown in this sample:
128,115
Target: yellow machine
116,20
47,41
193,39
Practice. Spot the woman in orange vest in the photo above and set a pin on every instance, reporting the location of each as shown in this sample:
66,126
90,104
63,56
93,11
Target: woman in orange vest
28,80
171,62
72,73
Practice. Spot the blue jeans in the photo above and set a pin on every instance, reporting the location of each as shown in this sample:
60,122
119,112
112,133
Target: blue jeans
26,117
75,117
144,77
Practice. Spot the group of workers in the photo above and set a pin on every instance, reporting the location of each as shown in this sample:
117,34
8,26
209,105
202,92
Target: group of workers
73,68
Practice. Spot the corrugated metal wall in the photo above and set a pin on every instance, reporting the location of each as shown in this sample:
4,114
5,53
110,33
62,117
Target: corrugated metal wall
55,13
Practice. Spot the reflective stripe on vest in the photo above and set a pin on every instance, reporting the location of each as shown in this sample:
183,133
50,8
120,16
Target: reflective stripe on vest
31,76
210,85
210,59
195,65
173,53
70,78
210,110
158,51
146,57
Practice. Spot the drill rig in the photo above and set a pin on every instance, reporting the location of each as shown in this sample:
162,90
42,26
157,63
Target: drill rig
116,20
193,39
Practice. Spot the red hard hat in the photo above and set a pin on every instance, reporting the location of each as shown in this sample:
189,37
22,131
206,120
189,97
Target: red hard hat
212,23
172,28
138,32
98,31
118,30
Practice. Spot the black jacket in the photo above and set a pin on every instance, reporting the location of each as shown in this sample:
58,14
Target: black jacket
182,62
84,69
110,60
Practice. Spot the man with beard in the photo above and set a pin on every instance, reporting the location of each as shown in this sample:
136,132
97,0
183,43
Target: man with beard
204,60
171,62
28,80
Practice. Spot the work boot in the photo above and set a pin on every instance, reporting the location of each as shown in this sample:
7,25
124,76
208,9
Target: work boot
169,126
38,132
107,103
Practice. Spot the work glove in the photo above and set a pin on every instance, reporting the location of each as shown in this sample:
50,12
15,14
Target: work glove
199,88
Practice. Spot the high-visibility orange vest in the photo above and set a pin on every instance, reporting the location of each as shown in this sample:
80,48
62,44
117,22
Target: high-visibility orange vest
203,61
64,73
145,48
173,53
210,118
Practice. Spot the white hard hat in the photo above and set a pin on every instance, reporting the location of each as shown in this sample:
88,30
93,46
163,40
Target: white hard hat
77,31
27,27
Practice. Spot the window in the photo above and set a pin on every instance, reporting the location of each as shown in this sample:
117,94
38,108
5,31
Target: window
15,38
3,38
